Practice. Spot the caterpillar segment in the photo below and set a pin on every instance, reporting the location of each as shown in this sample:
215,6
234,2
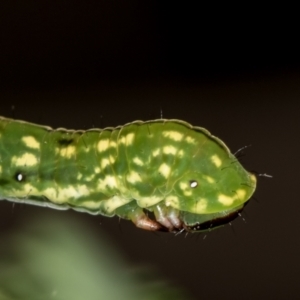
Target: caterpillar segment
163,175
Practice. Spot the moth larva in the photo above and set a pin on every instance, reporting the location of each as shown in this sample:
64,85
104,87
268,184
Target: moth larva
184,176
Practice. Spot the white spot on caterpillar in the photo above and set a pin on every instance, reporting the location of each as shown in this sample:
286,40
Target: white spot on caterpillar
133,177
103,145
169,150
67,152
27,159
138,161
31,142
156,152
225,200
165,170
173,135
216,160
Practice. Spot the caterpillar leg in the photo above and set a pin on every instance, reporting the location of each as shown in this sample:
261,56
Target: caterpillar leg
168,217
139,218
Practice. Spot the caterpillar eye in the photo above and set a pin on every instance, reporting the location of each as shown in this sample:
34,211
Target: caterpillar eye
193,184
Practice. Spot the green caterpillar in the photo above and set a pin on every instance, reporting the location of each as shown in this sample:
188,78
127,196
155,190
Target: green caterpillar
162,175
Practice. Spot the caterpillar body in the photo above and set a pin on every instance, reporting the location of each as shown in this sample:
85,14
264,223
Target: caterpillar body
163,175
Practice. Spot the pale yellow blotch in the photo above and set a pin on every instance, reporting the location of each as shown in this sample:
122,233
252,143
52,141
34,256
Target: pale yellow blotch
183,185
31,142
190,140
108,181
133,177
187,193
113,203
112,159
138,161
164,170
89,178
216,160
209,179
180,153
103,145
68,152
185,188
201,206
122,140
129,139
27,159
225,200
91,204
0,169
148,201
79,176
172,201
113,144
241,194
173,135
97,170
156,152
169,150
104,162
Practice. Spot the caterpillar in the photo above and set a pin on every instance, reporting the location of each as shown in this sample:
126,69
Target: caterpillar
163,175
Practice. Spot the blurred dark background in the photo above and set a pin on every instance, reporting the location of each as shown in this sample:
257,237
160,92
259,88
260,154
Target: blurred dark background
234,71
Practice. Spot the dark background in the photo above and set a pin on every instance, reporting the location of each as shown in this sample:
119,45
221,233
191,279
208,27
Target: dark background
234,71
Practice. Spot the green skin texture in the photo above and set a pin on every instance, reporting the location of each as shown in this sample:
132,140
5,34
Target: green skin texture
151,166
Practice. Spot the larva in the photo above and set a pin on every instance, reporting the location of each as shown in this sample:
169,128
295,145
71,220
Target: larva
163,175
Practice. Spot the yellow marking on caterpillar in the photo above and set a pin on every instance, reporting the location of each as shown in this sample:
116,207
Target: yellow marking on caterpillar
241,194
172,201
0,169
113,203
164,169
27,159
79,176
133,177
104,162
169,150
225,200
209,179
138,161
113,144
156,152
103,145
180,153
173,135
112,159
108,181
97,170
201,206
67,152
216,160
129,138
31,142
148,201
190,140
